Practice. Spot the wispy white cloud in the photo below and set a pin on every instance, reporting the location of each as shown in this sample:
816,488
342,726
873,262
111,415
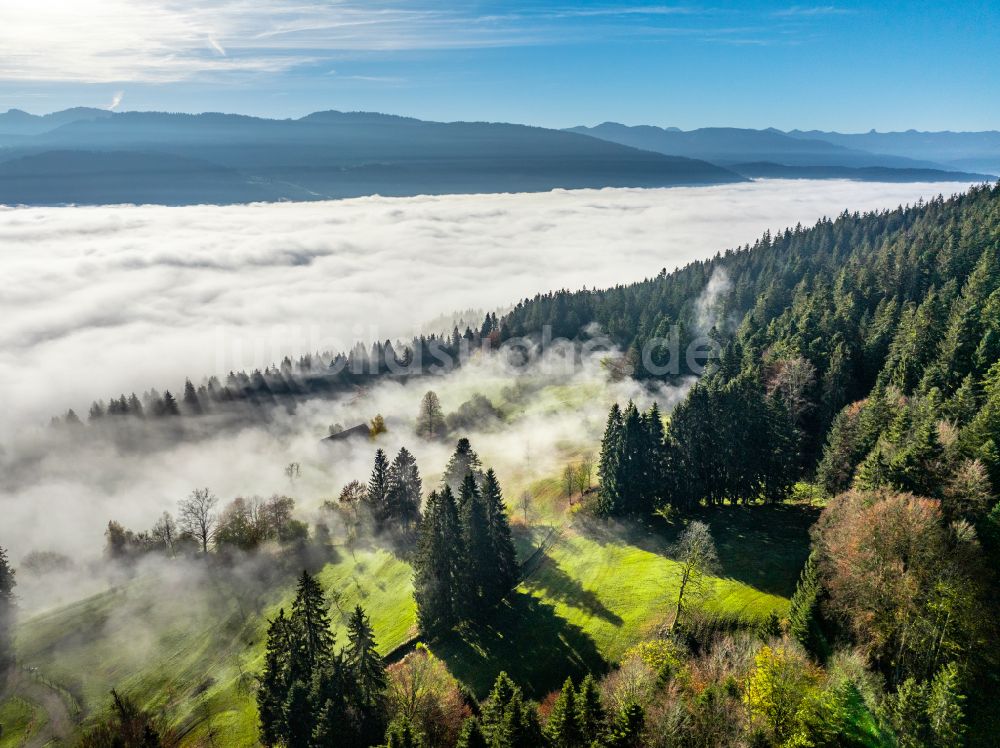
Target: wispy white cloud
170,40
634,10
387,79
116,100
801,11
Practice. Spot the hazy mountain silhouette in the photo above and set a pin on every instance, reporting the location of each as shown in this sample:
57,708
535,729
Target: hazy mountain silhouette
730,146
86,155
323,155
769,170
90,177
963,150
16,123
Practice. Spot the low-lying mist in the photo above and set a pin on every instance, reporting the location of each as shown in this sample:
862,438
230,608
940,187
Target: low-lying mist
97,301
63,486
101,300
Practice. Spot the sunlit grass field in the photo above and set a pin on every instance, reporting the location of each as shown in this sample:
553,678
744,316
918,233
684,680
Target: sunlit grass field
194,651
20,719
594,590
591,591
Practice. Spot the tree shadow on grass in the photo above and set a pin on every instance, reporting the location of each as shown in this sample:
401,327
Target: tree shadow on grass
763,545
526,638
552,582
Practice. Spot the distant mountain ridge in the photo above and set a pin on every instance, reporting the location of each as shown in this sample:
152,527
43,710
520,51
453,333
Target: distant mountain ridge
321,156
17,122
96,177
967,150
85,155
824,152
769,170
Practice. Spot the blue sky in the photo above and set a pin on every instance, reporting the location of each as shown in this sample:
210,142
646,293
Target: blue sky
847,66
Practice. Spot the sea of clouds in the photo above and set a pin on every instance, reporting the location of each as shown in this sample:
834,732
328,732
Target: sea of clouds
101,300
96,301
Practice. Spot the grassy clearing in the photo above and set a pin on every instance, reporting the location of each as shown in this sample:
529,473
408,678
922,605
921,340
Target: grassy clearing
192,649
20,719
593,590
598,589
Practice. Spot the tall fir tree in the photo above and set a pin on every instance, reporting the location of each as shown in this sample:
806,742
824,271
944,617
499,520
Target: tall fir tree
610,500
505,570
507,720
168,405
633,469
339,717
272,691
299,717
626,730
477,566
402,734
437,565
590,713
313,640
378,488
191,402
804,612
494,709
7,609
945,707
655,452
363,660
464,461
472,735
563,730
404,489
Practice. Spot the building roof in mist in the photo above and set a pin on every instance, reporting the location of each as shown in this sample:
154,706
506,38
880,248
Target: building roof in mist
360,430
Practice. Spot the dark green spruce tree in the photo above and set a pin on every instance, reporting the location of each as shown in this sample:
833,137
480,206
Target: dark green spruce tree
437,564
299,717
590,713
633,463
610,498
404,489
477,568
401,734
367,670
338,720
464,461
378,488
507,721
272,691
563,728
505,570
7,583
312,638
655,456
472,735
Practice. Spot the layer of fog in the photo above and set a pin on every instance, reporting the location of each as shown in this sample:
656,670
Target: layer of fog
102,300
554,412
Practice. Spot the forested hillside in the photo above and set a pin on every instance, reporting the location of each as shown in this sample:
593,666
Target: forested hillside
900,307
863,354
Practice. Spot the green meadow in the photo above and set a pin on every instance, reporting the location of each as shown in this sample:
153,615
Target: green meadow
591,590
